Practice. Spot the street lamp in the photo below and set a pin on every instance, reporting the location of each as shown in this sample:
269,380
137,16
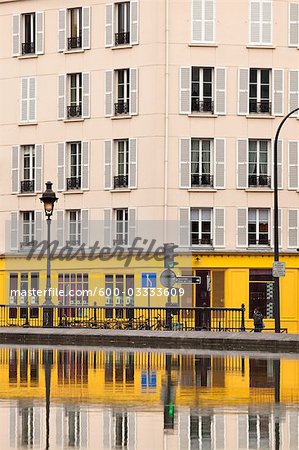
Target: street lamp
276,242
48,198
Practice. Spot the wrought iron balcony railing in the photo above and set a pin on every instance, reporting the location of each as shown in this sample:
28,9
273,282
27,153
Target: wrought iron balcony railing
205,240
74,42
74,111
259,180
73,183
121,108
261,241
122,38
201,180
73,242
28,48
120,181
120,241
27,186
262,107
202,106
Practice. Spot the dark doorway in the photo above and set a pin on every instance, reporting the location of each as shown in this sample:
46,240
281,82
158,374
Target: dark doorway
203,289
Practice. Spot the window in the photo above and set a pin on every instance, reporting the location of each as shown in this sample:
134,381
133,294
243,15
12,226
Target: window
28,227
120,289
259,91
75,95
122,35
258,227
258,163
121,227
74,227
74,180
121,23
261,291
122,105
201,226
27,183
73,288
27,169
203,21
28,44
74,29
121,430
201,162
122,164
73,166
293,26
28,99
121,92
25,278
28,33
260,22
202,90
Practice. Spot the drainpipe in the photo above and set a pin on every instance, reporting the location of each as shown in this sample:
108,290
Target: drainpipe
166,139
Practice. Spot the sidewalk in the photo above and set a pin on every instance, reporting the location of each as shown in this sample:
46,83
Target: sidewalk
257,342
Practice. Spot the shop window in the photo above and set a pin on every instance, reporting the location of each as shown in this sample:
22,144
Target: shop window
218,289
261,292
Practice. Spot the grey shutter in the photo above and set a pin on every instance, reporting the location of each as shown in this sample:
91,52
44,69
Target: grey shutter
24,99
243,100
241,227
279,164
39,33
86,27
85,95
219,227
197,21
185,90
209,21
109,25
108,93
184,225
293,228
133,163
60,228
220,88
220,432
61,166
108,164
85,227
134,22
266,17
132,430
14,230
15,165
183,427
132,225
16,38
243,431
62,30
255,19
38,219
85,165
279,227
294,91
293,24
107,227
185,163
219,171
133,92
293,165
242,166
32,99
61,96
38,168
277,92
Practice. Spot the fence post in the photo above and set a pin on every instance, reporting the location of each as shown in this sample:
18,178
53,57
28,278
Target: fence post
242,318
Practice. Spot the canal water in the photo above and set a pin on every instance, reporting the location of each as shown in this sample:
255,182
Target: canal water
70,398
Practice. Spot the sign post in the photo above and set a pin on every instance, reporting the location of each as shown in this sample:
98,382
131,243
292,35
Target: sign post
278,269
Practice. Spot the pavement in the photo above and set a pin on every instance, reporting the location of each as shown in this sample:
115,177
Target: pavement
226,341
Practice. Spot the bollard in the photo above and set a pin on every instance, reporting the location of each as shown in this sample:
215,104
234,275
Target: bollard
242,318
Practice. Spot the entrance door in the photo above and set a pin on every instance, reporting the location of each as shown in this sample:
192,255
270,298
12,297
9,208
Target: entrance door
203,289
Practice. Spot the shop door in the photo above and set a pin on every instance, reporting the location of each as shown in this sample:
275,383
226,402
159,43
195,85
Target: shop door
203,289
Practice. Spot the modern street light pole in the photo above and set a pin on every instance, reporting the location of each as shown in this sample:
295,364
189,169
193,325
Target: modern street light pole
276,241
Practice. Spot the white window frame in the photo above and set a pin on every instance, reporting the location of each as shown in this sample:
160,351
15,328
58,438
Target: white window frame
28,150
77,225
201,83
122,237
32,27
77,11
260,22
127,15
200,162
126,99
259,85
200,211
258,150
30,223
258,212
126,152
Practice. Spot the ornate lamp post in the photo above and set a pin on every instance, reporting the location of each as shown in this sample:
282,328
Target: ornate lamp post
48,198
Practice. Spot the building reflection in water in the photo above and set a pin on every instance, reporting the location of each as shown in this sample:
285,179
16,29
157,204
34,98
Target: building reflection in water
107,399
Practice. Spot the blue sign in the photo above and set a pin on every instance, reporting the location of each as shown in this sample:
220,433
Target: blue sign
148,280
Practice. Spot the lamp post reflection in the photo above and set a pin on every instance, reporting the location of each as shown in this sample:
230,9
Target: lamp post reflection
276,368
48,362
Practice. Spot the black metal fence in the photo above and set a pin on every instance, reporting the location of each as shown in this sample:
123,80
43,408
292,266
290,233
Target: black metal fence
121,318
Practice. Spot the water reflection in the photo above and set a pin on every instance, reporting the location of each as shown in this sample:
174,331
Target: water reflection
66,399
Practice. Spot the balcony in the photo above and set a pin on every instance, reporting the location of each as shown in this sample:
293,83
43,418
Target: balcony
28,48
262,241
74,42
73,183
74,111
121,108
122,38
120,181
205,240
205,180
263,107
202,106
27,186
120,241
259,181
73,242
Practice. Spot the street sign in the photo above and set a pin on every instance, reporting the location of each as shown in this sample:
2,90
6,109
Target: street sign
190,280
148,280
278,269
168,278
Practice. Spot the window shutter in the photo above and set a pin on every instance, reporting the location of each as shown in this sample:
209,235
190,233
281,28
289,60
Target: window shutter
24,99
40,33
294,91
38,168
266,17
86,94
86,27
185,90
109,25
107,227
85,165
108,93
293,165
61,96
293,24
209,21
15,175
279,227
241,227
277,92
242,152
133,163
85,227
219,170
108,164
255,17
185,163
219,224
61,166
38,222
134,22
132,225
60,228
293,228
220,97
16,39
197,21
243,102
133,92
184,219
32,99
279,164
62,30
14,230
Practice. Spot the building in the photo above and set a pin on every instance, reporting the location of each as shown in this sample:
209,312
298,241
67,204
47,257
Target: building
152,119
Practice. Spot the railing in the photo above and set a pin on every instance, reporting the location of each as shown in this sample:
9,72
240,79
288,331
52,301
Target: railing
120,241
262,241
120,181
121,108
259,180
203,241
263,107
28,47
122,38
128,318
73,183
74,111
202,180
74,42
27,186
206,105
73,242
